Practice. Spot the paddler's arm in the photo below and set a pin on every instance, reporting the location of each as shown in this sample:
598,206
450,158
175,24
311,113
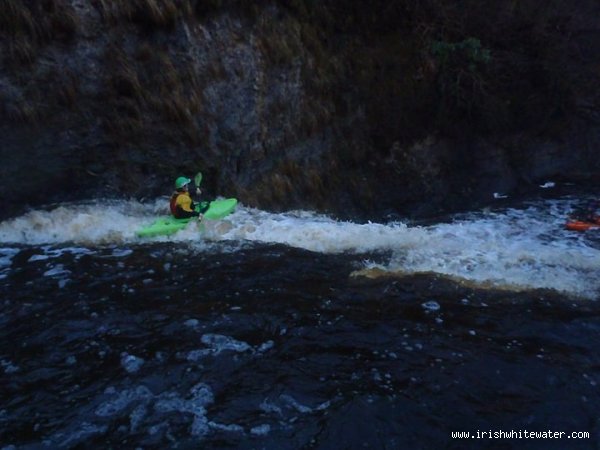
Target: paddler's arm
201,207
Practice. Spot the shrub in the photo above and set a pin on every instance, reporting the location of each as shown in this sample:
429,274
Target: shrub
461,79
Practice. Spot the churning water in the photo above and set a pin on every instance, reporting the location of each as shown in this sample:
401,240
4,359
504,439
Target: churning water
295,330
515,248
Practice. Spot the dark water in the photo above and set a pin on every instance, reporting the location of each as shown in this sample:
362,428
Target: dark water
272,347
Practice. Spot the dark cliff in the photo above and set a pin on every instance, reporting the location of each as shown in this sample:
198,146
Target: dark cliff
361,109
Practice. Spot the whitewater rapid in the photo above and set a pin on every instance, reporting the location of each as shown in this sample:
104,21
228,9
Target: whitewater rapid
517,248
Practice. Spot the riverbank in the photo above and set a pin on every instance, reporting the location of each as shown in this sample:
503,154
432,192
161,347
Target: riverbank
351,109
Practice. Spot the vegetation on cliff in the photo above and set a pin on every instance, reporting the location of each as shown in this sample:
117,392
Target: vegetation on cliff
303,95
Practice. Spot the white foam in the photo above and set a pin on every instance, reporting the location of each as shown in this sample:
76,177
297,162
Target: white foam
511,250
131,363
312,231
137,416
8,366
201,396
261,430
192,323
34,258
84,431
87,223
219,343
431,305
57,271
265,346
122,400
514,249
287,402
291,402
269,407
147,407
232,428
6,256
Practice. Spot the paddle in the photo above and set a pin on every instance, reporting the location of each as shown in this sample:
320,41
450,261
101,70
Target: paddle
197,181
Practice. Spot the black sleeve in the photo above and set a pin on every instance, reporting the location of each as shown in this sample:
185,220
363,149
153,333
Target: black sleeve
181,214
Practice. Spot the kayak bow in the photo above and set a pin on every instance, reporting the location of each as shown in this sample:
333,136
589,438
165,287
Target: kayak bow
582,225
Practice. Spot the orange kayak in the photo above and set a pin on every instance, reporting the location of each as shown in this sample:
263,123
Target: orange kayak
580,225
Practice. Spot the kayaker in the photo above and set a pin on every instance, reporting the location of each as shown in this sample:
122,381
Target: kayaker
589,213
181,204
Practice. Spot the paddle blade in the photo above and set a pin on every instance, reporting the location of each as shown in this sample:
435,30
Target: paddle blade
198,179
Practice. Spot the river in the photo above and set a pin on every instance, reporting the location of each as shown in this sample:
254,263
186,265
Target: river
296,330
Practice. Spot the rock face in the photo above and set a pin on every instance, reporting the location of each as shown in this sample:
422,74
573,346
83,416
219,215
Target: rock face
360,110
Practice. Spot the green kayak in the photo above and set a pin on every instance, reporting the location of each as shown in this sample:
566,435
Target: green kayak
167,225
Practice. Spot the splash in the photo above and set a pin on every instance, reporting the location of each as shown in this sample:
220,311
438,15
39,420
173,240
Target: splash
94,223
515,249
512,251
6,256
520,248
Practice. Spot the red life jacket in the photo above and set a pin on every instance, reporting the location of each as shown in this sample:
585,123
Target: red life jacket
173,203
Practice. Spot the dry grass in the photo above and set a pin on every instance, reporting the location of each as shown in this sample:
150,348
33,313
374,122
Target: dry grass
25,27
148,13
291,180
177,92
17,19
41,22
23,112
124,128
527,80
150,87
21,52
280,42
124,78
